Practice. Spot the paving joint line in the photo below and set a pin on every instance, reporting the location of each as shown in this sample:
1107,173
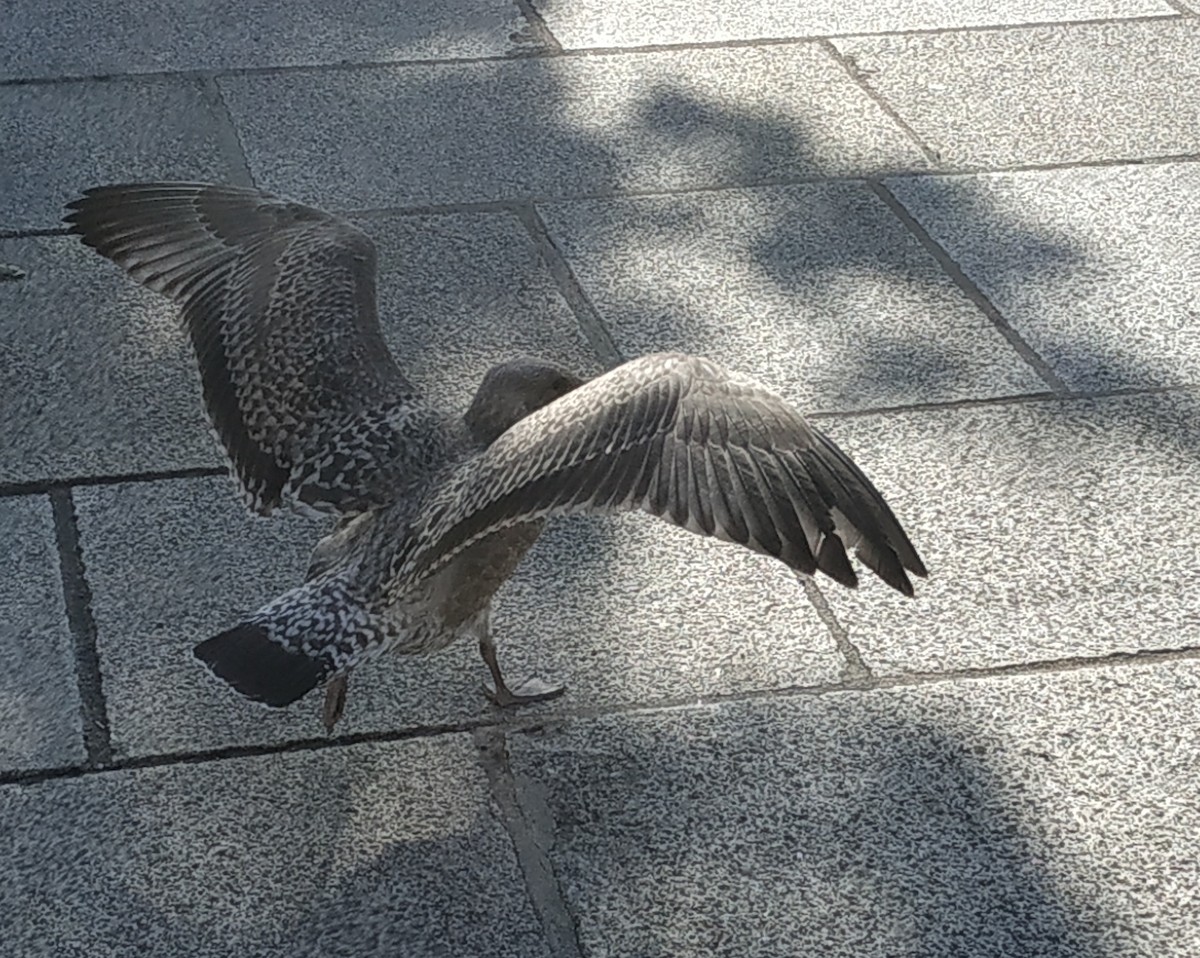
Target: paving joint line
855,672
850,66
633,49
34,231
530,826
1017,399
229,141
490,207
586,315
97,741
510,205
534,722
814,38
1183,9
972,291
46,486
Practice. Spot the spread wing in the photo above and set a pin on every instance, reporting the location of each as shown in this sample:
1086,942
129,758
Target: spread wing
680,438
279,303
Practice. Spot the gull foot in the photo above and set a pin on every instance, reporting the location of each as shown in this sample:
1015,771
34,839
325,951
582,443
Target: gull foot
335,702
505,698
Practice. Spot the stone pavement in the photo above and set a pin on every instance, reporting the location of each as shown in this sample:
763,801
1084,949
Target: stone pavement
966,236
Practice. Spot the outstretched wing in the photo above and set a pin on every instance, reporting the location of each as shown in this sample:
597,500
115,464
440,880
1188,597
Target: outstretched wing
279,302
680,438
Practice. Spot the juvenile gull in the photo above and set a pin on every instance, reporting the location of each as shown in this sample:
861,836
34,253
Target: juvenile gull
437,510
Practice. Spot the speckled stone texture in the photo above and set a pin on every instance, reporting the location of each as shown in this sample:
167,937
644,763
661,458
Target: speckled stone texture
1051,530
1121,305
818,290
579,24
501,130
621,611
61,38
40,722
1043,95
375,850
100,378
61,137
1045,815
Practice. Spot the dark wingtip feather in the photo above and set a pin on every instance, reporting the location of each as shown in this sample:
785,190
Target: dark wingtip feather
833,561
258,668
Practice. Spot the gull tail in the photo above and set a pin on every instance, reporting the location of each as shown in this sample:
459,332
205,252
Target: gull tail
295,643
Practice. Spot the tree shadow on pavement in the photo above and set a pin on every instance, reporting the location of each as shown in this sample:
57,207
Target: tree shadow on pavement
855,830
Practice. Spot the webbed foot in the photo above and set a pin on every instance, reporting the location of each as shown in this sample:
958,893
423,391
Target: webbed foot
505,698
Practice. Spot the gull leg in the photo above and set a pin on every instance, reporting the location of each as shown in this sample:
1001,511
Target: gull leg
335,701
502,695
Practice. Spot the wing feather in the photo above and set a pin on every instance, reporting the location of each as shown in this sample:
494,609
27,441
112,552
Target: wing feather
678,437
279,303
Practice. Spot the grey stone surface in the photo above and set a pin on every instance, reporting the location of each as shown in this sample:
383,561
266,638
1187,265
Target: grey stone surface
98,376
484,131
578,24
630,611
1043,95
1049,815
40,722
61,38
816,289
1051,529
100,379
370,850
62,137
459,293
1121,306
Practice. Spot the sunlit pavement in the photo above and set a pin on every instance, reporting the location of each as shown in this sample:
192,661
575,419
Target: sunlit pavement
966,240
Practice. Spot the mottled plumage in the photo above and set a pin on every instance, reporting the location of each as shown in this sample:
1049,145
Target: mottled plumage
279,301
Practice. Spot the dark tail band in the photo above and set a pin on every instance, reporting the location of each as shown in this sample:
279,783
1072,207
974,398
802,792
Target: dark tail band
260,669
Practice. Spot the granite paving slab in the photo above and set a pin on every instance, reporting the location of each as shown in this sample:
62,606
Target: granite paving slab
1124,310
579,24
99,378
62,137
1051,530
370,850
40,721
1050,815
1042,95
472,132
816,289
60,38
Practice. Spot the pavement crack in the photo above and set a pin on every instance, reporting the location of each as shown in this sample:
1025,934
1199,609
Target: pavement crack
531,828
972,291
568,285
228,139
860,79
538,29
78,596
30,487
855,672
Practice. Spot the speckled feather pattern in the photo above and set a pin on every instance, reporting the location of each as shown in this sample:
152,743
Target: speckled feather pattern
279,301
